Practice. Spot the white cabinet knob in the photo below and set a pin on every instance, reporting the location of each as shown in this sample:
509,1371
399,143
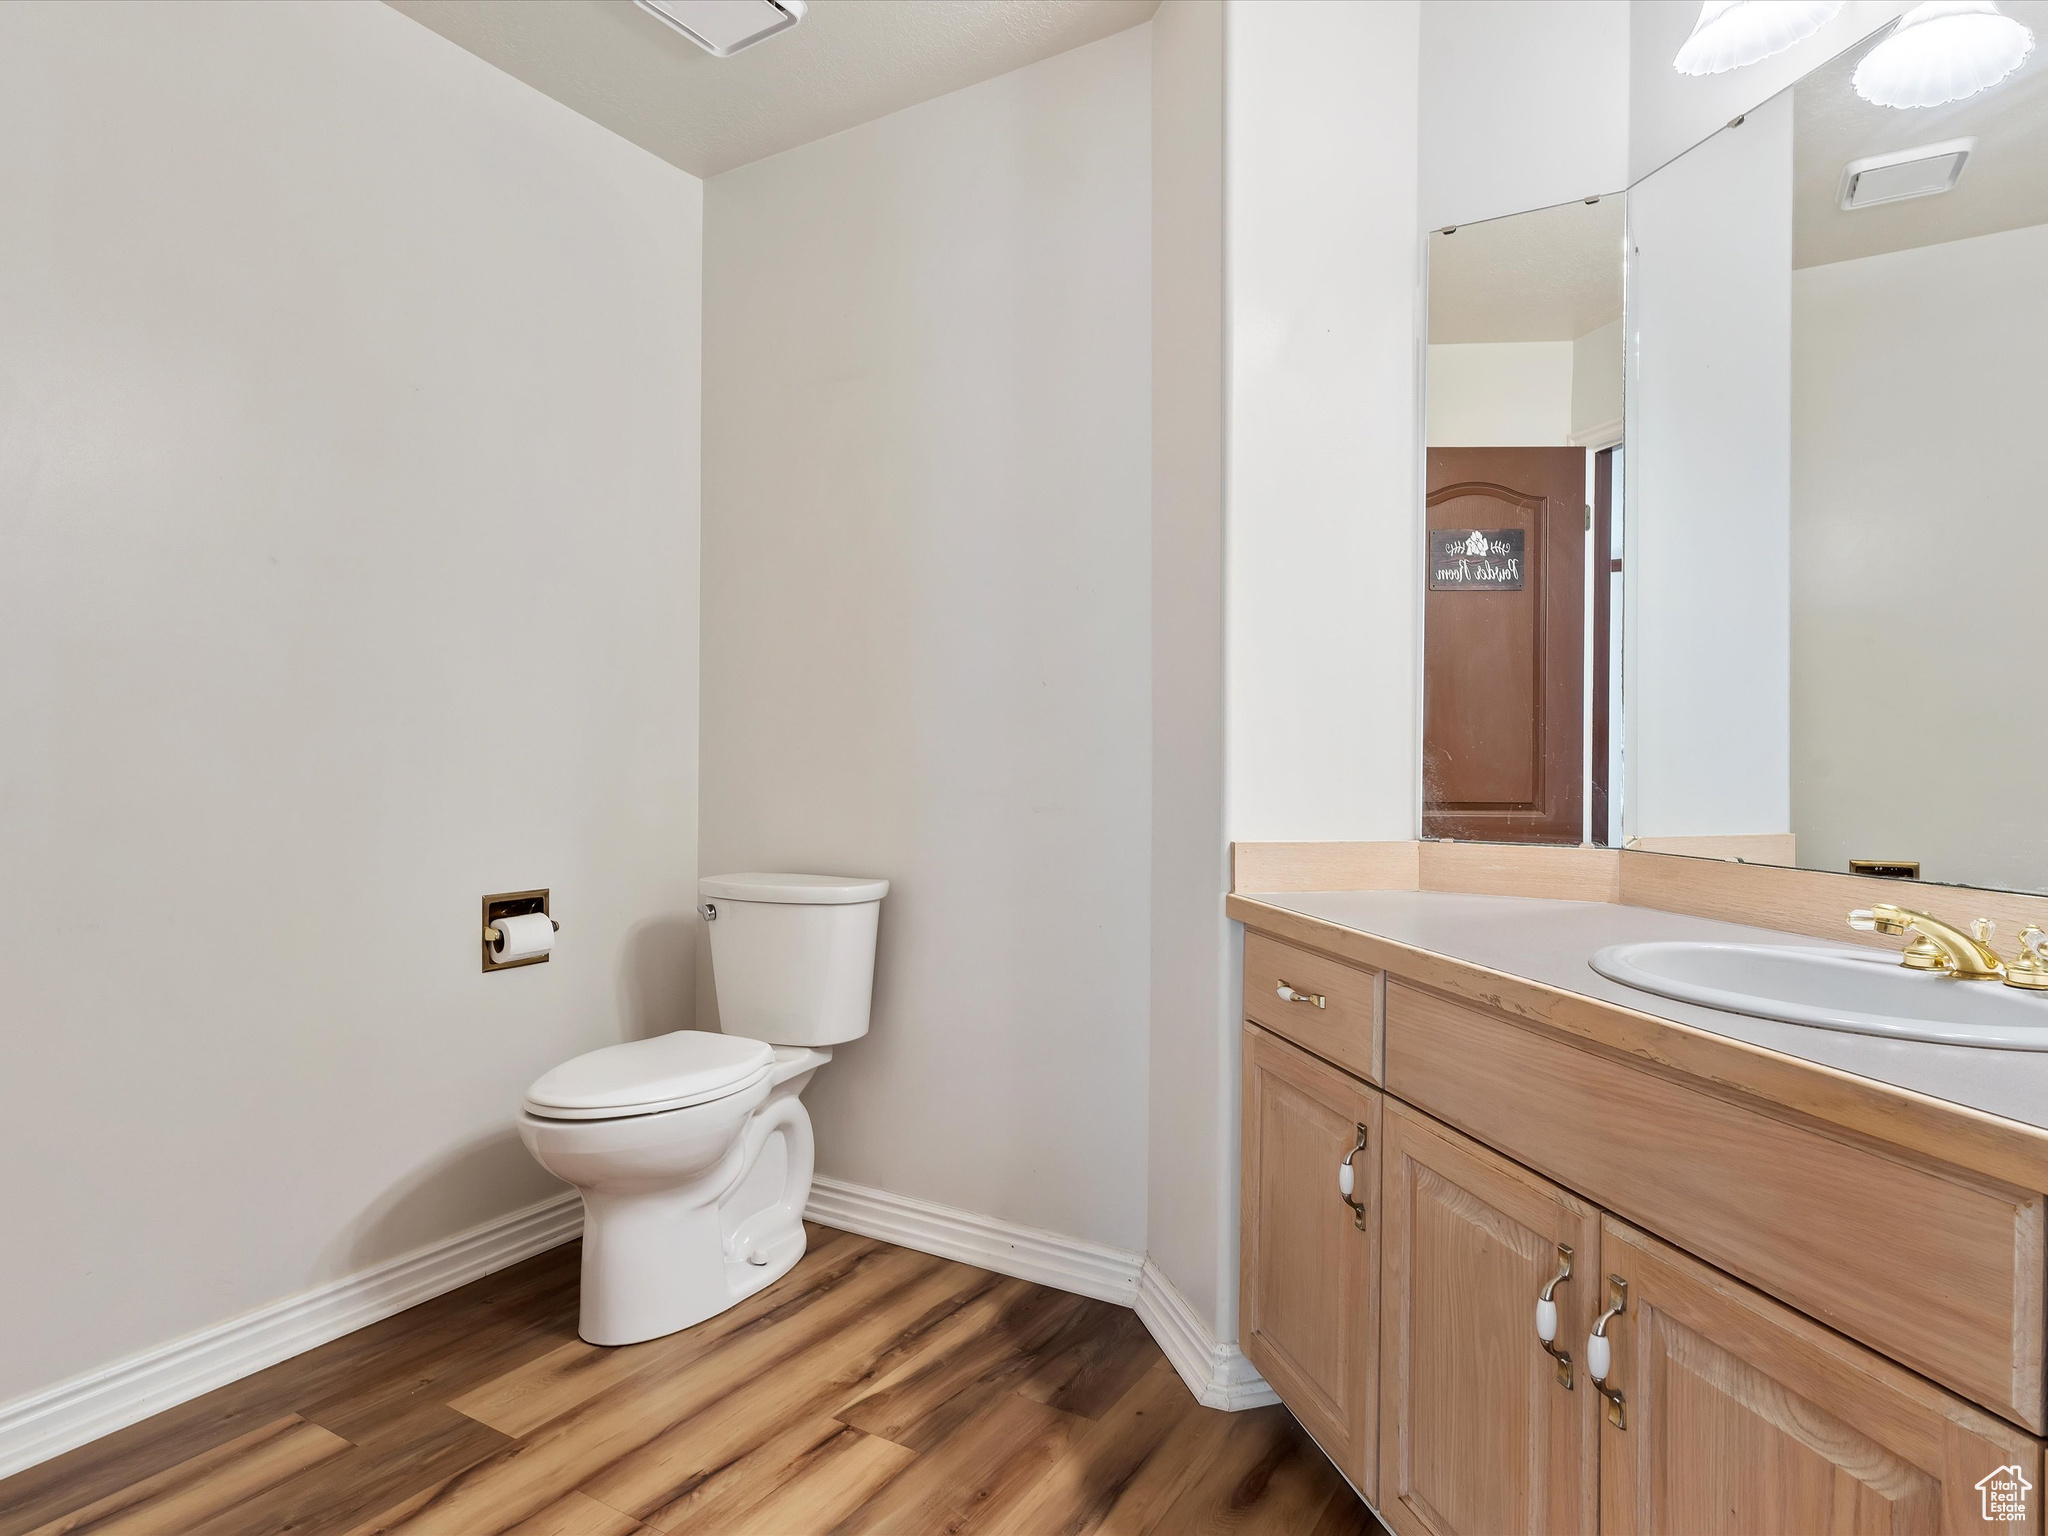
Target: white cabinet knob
1344,1179
1546,1321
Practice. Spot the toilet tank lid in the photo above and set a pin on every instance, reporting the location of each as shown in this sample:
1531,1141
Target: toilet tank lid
794,890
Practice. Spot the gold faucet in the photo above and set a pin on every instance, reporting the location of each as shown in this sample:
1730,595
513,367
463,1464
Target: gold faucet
2030,970
1938,947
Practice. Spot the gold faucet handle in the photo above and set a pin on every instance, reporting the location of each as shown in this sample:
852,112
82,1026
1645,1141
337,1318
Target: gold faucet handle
1984,928
2030,968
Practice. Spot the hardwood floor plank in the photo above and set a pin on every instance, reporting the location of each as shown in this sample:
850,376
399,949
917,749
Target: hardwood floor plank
1346,1515
1100,1357
418,1450
469,1354
572,1447
1081,1491
808,1478
30,1498
520,1401
577,1514
1268,1479
871,1390
964,1484
924,1404
176,1476
213,1483
804,1386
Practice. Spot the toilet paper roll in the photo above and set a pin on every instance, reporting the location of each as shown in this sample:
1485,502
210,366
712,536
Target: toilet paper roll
524,936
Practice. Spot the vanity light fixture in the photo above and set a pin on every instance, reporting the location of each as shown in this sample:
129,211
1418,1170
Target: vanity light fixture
1732,33
1904,173
723,27
1942,51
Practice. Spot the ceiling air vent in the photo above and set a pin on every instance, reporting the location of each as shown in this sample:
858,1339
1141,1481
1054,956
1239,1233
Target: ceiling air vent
1904,173
723,27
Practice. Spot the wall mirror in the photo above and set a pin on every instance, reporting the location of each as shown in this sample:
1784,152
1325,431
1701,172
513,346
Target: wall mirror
1522,614
1834,618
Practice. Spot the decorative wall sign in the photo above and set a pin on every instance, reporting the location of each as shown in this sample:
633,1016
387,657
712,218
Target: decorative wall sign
1475,559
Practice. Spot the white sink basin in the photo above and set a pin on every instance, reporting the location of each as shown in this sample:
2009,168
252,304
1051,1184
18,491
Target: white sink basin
1866,992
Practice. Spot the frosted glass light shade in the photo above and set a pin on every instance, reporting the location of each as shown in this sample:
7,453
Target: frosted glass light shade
1942,51
1732,33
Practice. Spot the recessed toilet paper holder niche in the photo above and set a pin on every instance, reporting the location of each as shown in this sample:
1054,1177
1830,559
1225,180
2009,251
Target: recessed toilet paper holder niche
511,904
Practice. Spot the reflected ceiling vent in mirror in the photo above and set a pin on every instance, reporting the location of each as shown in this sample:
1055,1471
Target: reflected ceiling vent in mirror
723,27
1732,33
1942,51
1904,173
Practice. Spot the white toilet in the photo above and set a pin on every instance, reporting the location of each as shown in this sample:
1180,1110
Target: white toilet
691,1150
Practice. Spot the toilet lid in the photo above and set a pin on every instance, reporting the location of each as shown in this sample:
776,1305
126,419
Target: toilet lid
644,1076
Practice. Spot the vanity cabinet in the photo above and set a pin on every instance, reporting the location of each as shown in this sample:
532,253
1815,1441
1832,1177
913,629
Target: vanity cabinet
1309,1255
1470,1242
1739,1415
1826,1333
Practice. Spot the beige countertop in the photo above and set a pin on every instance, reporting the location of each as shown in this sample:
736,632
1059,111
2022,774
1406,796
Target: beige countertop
1550,942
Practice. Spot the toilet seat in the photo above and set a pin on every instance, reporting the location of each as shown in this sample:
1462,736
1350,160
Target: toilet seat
645,1077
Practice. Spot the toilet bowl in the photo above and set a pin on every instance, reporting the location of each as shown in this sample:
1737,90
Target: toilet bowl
692,1151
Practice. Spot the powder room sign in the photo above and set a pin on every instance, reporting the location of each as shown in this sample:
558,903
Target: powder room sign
1475,559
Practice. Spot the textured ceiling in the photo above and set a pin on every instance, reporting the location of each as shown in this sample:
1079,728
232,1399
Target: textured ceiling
1551,275
2004,185
850,61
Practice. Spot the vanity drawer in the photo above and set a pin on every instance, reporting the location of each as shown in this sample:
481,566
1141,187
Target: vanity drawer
1940,1269
1335,1013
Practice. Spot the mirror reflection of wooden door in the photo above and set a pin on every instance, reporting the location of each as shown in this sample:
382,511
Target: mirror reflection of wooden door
1503,692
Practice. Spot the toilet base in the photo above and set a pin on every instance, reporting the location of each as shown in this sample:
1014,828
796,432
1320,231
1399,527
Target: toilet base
658,1260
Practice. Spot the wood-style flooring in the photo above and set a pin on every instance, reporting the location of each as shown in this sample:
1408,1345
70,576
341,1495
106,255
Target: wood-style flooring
872,1389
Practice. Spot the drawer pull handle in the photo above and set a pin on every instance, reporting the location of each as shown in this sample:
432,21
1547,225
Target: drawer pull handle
1600,1352
1546,1317
1347,1181
1287,994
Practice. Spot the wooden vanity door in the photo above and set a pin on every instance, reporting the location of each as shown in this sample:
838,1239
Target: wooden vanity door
1478,1435
1724,1433
1309,1276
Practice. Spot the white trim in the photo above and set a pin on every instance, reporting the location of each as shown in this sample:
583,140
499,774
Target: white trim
1218,1374
1047,1258
60,1418
1606,435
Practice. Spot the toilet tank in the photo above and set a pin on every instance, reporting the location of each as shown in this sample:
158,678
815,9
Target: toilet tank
793,956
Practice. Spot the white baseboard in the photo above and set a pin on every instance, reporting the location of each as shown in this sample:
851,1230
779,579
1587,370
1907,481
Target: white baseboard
1218,1374
59,1418
1064,1263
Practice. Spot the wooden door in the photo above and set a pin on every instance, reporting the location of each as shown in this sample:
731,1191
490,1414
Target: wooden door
1309,1260
1504,668
1742,1416
1479,1434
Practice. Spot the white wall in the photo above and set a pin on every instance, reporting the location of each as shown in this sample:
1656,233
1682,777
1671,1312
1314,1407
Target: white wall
1193,1017
348,545
1709,487
1916,535
1500,394
1524,103
1323,555
1597,386
927,531
1668,112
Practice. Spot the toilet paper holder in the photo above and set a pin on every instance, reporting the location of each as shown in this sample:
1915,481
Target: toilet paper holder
512,904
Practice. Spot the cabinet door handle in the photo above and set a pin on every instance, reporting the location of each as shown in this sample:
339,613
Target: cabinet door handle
1347,1180
1287,994
1600,1352
1546,1317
